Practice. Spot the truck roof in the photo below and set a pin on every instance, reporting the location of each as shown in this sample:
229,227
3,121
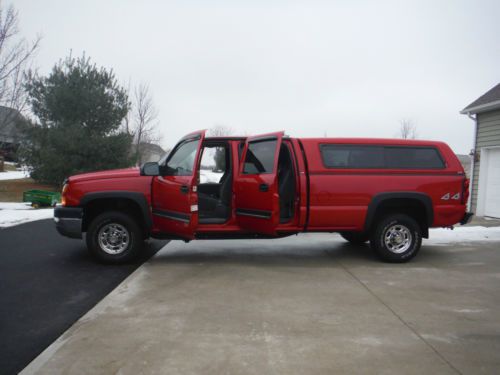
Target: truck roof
374,141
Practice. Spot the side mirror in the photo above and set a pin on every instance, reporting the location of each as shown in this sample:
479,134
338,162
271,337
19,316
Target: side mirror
150,169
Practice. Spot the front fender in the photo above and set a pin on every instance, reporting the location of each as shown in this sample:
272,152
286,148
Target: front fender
139,198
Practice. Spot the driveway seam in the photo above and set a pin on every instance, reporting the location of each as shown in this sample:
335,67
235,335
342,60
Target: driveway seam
400,319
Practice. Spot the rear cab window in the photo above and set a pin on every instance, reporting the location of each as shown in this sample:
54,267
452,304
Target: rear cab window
349,156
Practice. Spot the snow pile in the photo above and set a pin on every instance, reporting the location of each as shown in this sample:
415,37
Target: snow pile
13,175
441,236
208,176
18,213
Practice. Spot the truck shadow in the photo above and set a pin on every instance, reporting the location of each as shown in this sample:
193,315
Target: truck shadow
265,253
77,253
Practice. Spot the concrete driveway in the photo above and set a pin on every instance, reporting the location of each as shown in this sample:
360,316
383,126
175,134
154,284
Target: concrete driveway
310,304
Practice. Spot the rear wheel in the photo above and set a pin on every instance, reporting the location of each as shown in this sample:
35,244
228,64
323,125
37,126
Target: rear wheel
396,238
355,237
114,237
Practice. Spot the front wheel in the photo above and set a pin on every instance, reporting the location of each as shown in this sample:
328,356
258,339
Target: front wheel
114,237
396,238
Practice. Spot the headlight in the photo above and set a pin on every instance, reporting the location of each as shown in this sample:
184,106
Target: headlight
63,194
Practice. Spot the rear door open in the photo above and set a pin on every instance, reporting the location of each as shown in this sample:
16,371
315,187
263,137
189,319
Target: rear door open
256,185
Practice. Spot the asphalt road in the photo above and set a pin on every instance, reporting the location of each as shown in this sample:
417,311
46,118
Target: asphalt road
47,282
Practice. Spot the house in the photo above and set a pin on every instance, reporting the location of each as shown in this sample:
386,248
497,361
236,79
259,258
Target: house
485,182
465,160
10,134
149,152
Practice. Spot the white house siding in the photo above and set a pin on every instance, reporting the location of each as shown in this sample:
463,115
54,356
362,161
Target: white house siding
488,135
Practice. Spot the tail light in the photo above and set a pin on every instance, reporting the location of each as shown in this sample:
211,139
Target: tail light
465,190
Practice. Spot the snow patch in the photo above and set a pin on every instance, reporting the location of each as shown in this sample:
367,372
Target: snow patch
208,176
18,213
447,338
442,236
469,311
368,341
13,175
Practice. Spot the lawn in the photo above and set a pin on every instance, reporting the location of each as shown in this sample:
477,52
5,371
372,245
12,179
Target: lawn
9,167
12,190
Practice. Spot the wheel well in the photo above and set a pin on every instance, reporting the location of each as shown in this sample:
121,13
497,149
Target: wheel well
408,206
97,206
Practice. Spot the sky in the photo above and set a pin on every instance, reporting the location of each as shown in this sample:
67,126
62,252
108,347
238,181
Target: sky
311,68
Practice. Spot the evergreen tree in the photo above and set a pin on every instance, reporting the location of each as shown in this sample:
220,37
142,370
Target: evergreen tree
79,108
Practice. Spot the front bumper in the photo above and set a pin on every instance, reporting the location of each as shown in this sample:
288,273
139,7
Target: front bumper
467,218
69,221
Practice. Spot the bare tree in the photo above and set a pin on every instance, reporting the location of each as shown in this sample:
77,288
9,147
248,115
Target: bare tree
220,131
145,123
16,58
407,129
126,125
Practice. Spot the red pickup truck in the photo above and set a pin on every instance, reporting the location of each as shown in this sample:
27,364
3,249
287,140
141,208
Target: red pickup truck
386,191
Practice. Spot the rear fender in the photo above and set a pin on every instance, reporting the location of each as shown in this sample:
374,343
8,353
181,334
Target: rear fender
422,198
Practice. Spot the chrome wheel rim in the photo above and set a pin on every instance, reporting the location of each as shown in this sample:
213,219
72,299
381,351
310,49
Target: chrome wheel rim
398,238
113,238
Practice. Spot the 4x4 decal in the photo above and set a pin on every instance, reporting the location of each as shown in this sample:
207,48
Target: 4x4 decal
448,196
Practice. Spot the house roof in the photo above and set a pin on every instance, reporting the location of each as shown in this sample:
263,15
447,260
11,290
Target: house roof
487,102
153,147
9,129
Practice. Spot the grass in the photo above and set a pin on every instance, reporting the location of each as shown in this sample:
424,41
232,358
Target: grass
12,190
9,167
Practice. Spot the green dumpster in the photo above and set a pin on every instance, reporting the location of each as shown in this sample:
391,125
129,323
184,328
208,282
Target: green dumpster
39,198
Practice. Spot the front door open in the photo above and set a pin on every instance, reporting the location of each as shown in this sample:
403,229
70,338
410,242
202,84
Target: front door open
256,185
174,195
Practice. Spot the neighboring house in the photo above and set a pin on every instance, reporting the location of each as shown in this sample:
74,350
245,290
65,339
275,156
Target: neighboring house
465,160
485,184
150,152
10,134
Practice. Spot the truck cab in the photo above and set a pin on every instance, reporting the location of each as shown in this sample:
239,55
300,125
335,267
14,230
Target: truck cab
389,192
214,187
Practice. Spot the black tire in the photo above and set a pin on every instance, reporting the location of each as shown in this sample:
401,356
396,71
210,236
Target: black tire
392,229
115,225
356,238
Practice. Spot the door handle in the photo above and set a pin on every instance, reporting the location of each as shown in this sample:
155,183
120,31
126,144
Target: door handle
184,189
264,187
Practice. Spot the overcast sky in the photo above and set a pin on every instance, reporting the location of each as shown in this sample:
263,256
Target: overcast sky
344,68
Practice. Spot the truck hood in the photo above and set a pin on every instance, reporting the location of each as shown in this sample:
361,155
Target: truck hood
101,175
